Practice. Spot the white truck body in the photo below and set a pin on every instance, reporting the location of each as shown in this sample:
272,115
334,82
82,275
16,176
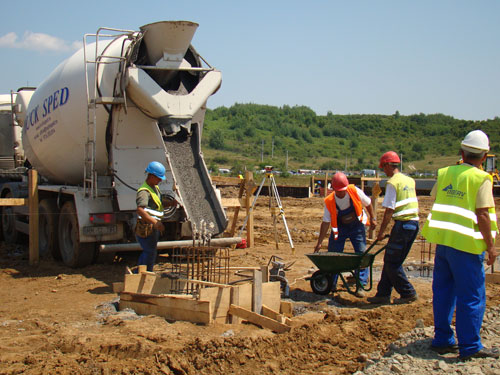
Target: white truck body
94,124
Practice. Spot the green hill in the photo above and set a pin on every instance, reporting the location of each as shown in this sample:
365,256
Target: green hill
234,137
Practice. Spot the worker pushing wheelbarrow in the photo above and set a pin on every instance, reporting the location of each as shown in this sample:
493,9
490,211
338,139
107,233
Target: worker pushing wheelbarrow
332,263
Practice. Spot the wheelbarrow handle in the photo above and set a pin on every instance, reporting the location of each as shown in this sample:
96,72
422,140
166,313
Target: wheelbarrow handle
374,243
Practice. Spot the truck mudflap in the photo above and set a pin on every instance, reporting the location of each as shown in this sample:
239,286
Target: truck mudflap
195,187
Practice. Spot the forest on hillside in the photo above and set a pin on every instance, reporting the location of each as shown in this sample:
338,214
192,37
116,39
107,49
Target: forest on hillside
250,135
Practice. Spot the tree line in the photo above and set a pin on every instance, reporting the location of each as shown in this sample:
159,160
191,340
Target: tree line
236,135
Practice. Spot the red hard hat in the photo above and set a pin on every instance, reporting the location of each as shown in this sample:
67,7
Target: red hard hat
339,181
389,157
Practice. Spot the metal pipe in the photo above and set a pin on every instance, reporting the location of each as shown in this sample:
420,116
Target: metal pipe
215,242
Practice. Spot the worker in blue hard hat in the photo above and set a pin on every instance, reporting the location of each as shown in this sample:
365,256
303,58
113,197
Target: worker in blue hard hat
149,214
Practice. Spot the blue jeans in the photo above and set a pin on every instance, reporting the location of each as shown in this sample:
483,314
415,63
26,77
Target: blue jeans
355,231
393,275
149,250
458,286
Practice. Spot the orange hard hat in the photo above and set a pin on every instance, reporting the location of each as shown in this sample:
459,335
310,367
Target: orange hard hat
339,181
389,157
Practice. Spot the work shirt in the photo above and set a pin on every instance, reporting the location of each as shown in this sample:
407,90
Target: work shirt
345,203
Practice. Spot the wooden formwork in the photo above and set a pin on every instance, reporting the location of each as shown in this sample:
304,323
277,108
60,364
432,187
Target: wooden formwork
258,302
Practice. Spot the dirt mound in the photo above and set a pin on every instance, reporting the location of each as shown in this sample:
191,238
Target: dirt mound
55,320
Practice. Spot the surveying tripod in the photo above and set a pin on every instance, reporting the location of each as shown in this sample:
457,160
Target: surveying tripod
273,193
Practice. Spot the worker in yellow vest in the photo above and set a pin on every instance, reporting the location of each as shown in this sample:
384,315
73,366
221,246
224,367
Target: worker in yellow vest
344,213
149,214
400,202
463,224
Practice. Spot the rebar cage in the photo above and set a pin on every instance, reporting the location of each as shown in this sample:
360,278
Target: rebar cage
204,263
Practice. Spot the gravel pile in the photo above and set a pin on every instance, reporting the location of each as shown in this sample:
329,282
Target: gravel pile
411,354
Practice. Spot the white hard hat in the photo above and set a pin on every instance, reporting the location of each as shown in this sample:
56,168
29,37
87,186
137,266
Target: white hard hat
476,142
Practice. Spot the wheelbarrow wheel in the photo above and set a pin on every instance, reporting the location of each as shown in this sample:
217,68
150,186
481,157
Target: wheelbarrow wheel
321,283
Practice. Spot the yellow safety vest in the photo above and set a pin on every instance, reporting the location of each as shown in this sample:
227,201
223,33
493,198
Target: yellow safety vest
452,220
406,197
155,194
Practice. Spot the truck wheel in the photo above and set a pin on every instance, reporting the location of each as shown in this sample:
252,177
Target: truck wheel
321,283
74,253
48,228
9,232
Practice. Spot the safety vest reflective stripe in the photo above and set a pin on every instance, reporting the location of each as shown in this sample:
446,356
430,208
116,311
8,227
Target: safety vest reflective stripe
457,228
406,201
156,214
406,212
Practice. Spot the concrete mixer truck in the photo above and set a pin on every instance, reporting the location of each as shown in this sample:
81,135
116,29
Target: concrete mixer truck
124,99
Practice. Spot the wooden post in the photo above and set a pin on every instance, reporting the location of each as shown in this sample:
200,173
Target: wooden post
250,187
34,255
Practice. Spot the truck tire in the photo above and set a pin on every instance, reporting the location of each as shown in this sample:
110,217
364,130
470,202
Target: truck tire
48,243
321,283
74,253
9,232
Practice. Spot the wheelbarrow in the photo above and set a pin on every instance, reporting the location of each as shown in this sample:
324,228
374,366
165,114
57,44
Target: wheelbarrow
331,263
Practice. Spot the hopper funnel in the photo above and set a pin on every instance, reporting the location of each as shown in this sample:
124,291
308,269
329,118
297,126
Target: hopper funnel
168,41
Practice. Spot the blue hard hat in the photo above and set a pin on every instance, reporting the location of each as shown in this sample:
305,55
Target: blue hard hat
157,169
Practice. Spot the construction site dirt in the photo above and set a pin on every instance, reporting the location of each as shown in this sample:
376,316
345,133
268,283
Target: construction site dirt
57,320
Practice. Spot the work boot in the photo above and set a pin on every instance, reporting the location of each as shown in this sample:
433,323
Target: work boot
483,353
403,300
445,349
379,300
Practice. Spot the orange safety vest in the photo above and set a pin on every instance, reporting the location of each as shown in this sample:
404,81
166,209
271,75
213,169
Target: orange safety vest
358,208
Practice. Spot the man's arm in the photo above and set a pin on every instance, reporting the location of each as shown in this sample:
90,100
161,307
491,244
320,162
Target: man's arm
323,229
385,221
157,224
373,217
484,223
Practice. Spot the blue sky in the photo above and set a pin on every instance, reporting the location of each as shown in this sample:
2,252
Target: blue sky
440,56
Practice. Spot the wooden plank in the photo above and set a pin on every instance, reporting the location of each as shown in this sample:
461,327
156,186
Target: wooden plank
271,295
245,295
257,291
493,278
286,308
206,283
270,313
220,299
258,319
230,203
234,300
118,287
170,307
142,268
34,255
14,201
265,273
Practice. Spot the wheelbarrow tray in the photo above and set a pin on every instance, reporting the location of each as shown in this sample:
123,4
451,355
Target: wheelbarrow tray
331,262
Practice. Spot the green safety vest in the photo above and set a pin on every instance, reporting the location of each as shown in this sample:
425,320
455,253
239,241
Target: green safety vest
155,194
406,197
452,220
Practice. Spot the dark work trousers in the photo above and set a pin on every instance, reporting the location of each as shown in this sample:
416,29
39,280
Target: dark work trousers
355,231
458,287
393,275
149,250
